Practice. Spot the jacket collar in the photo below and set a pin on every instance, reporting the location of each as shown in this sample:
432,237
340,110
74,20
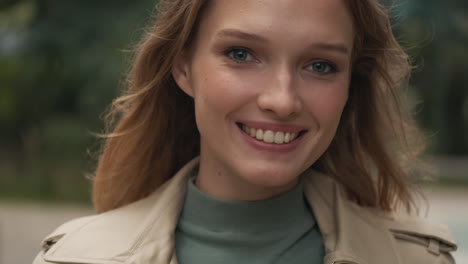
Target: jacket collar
143,232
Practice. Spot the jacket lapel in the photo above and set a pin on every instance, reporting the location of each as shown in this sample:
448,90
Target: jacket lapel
139,233
351,234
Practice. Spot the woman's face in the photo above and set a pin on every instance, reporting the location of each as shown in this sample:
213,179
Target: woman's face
269,80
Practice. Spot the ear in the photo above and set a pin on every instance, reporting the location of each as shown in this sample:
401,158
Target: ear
181,73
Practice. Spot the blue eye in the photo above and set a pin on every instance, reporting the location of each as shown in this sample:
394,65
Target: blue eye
239,55
322,67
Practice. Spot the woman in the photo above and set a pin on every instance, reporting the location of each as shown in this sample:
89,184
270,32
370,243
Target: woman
294,110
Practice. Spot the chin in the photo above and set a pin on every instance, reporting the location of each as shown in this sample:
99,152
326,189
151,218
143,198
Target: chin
270,176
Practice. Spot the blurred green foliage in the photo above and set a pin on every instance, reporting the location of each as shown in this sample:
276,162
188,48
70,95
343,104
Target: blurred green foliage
436,35
62,62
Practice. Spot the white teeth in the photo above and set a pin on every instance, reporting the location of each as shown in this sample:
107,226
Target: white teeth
279,137
269,136
259,134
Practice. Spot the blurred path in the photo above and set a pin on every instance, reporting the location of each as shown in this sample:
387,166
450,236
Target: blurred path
23,226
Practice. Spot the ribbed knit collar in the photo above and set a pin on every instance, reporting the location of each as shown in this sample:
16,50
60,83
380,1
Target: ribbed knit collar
287,211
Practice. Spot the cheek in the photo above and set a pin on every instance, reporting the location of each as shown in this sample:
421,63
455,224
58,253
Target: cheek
326,103
221,92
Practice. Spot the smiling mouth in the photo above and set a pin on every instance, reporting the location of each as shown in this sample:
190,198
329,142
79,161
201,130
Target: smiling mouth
270,136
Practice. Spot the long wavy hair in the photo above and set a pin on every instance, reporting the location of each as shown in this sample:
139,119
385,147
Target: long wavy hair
151,129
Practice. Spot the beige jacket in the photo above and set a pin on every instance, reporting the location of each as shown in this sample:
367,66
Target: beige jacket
143,232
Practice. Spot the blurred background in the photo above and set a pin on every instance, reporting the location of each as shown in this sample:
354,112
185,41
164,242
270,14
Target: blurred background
62,62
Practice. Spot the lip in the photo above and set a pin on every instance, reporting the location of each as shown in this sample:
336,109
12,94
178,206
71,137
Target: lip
269,147
273,127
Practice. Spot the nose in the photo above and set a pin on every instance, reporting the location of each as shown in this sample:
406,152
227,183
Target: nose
280,95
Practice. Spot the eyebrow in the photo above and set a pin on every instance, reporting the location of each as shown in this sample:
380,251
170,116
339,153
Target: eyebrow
235,33
336,47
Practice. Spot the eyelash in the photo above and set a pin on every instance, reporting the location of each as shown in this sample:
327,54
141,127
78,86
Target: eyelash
228,51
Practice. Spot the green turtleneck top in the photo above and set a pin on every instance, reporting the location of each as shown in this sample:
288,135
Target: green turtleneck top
277,230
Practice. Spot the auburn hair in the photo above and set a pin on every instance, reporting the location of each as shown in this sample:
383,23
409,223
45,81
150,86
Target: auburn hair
151,129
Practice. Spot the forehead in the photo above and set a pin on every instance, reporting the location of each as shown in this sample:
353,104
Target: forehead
293,20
